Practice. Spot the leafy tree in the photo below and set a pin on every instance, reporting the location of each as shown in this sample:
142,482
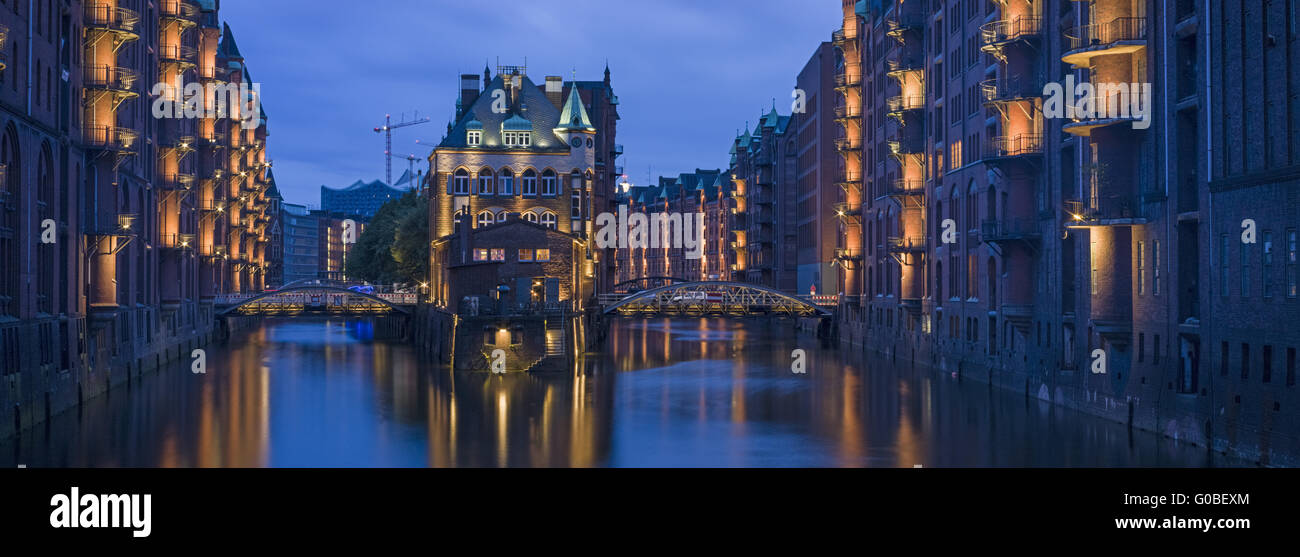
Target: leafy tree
393,246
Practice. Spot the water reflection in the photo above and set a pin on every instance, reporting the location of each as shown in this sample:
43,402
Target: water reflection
700,392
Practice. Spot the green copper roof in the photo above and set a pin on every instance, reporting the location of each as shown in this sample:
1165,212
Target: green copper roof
517,123
746,138
772,118
227,47
574,114
474,124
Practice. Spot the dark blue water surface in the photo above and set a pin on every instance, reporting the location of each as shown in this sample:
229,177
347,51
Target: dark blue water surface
700,392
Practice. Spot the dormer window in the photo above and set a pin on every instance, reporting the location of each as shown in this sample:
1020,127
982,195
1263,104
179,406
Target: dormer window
517,139
474,138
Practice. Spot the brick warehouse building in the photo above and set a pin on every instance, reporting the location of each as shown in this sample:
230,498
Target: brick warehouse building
1005,243
519,148
152,217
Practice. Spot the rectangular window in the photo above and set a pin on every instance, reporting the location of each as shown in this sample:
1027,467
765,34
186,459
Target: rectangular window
1291,290
1155,268
1224,278
543,255
485,184
575,205
1245,271
530,186
1268,363
1267,266
548,185
460,185
1223,359
1142,271
498,254
474,137
1290,367
1156,349
525,255
955,154
481,255
1142,347
507,185
1245,361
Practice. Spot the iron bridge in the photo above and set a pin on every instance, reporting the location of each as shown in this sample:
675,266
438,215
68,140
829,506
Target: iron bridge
714,298
315,299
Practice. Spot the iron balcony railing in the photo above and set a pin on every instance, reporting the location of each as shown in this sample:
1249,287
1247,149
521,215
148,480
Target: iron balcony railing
847,79
1011,89
1001,32
898,244
178,241
104,17
178,53
111,78
846,209
178,10
845,112
847,254
846,144
996,230
898,105
1102,34
899,188
1015,146
110,138
905,63
178,181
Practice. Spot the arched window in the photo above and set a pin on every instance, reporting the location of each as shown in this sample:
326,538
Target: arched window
938,283
575,204
485,218
549,220
531,216
972,210
506,182
530,183
549,184
460,183
993,283
502,216
485,182
991,204
10,201
45,251
575,180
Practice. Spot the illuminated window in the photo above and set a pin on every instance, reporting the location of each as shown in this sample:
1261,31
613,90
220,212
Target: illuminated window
955,154
498,254
481,255
549,184
542,255
548,220
506,182
460,183
575,205
530,183
531,217
1142,272
474,137
525,255
517,139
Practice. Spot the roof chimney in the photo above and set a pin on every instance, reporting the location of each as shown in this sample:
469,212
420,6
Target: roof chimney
555,90
468,89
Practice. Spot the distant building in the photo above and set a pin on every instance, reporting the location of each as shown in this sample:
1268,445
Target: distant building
332,250
361,198
819,172
275,231
301,231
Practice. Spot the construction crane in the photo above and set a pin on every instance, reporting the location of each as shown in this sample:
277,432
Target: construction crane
387,130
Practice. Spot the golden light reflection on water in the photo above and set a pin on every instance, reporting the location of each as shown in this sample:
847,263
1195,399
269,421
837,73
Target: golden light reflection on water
703,392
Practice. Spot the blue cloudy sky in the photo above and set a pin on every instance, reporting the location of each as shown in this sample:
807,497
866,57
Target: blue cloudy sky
688,73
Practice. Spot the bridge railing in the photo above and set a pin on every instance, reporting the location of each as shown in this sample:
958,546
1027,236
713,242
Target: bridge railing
403,298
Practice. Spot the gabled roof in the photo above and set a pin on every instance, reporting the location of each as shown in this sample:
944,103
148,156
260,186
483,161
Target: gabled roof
574,115
530,108
227,48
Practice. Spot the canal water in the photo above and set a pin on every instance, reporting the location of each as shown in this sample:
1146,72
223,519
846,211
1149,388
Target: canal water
705,392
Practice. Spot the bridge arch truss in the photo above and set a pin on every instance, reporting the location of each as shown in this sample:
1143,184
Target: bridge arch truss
714,298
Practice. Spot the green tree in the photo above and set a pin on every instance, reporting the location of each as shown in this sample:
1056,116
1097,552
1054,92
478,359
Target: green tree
393,246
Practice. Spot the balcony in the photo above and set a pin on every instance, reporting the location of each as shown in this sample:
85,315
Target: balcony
905,245
1113,212
1006,230
178,181
845,80
900,66
901,105
997,35
117,81
845,210
846,145
762,198
180,12
900,148
843,40
846,254
904,17
1111,105
849,181
181,57
1012,147
184,242
1008,90
905,189
740,220
110,138
1122,35
846,112
119,23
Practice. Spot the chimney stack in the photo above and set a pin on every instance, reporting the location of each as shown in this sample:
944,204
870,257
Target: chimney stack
468,89
555,90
